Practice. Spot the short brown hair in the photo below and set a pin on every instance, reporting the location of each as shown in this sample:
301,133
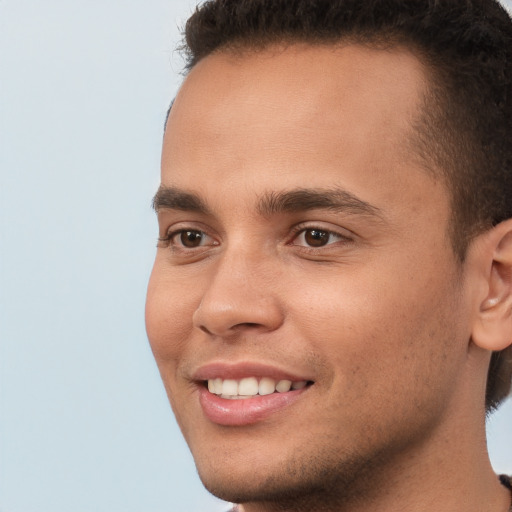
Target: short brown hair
466,126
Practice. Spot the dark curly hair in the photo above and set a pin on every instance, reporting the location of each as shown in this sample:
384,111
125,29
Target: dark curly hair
466,128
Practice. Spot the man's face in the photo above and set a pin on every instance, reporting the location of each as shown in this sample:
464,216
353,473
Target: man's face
302,242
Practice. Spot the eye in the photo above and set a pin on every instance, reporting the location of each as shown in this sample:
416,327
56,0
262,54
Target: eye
187,239
316,237
190,239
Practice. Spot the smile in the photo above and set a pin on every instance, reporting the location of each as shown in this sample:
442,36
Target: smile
247,392
250,387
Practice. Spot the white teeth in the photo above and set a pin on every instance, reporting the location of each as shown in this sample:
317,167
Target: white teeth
283,386
217,385
250,386
267,386
230,387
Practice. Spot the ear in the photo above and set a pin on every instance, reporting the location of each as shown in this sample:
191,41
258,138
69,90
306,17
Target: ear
492,329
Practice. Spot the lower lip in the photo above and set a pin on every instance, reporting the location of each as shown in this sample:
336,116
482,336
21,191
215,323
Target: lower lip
245,411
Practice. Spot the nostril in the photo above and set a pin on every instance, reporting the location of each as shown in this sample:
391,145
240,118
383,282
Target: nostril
242,325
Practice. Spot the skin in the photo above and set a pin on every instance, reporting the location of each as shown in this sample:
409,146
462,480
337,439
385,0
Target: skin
382,317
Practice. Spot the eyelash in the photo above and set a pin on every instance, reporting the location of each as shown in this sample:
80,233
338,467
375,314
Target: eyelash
168,238
301,230
297,231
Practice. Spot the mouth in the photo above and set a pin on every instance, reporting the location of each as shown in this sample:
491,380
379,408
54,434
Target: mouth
250,387
247,393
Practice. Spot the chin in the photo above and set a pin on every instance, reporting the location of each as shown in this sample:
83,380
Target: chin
299,479
249,487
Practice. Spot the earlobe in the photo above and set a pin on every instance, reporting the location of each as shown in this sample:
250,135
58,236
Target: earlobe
493,327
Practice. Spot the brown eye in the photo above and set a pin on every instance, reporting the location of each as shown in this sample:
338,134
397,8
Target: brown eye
316,237
191,239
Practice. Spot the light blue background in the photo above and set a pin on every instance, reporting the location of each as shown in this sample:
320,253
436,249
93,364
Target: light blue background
84,421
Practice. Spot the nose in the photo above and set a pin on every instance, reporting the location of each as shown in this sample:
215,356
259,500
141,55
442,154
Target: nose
240,296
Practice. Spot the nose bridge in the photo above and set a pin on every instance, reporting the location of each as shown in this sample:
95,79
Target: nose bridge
240,295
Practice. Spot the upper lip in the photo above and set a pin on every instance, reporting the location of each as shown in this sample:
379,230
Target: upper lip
241,370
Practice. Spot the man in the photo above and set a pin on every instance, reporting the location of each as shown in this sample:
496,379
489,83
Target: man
331,302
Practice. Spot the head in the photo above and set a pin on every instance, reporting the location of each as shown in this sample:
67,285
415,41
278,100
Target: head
466,126
333,212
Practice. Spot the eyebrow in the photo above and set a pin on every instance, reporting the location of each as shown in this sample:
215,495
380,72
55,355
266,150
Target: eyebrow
172,198
303,199
271,203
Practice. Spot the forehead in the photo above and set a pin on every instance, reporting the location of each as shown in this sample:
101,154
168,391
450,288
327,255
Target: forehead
313,79
297,112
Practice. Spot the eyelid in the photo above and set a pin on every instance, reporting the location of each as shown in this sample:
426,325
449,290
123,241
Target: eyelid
180,227
343,233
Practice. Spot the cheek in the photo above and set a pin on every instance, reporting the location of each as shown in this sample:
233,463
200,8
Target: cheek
386,333
169,314
168,326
